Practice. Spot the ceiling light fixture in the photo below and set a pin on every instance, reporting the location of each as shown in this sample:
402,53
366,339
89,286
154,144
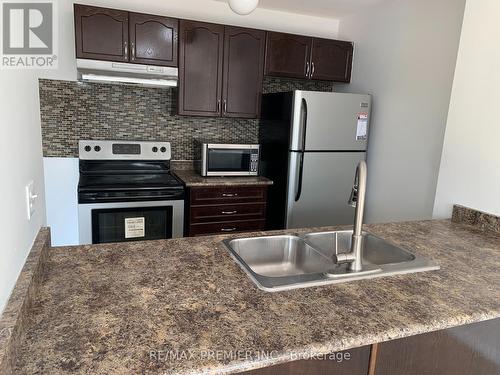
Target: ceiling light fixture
243,7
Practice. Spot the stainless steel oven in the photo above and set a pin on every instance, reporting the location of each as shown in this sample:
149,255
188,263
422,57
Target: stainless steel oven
126,192
224,159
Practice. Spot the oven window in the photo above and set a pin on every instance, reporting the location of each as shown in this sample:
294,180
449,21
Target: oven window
226,160
131,224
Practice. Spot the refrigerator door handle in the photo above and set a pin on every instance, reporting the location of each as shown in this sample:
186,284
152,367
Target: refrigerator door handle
299,123
303,120
303,127
299,183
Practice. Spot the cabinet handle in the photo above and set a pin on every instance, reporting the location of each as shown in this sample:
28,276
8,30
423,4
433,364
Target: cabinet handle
307,69
132,50
229,195
225,105
218,105
312,69
125,48
229,212
228,229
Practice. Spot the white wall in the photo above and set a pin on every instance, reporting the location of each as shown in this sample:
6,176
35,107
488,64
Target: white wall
61,197
470,164
21,162
405,57
20,144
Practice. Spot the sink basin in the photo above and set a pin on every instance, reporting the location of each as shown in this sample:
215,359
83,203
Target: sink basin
280,256
285,262
375,250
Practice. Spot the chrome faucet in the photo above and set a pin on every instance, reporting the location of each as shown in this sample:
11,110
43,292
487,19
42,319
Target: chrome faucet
357,199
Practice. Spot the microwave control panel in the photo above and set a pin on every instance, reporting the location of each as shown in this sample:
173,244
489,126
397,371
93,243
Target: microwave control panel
254,161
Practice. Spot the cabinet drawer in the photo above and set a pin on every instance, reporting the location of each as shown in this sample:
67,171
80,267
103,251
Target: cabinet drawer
226,227
228,195
203,214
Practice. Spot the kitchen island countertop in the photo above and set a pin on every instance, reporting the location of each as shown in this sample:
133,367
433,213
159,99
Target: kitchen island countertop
122,308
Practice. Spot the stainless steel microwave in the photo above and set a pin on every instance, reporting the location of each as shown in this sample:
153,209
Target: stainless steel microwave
223,159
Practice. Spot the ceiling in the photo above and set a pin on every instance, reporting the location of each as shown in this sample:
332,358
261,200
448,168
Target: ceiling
320,8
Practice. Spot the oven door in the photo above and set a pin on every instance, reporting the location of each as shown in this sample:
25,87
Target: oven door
130,221
230,162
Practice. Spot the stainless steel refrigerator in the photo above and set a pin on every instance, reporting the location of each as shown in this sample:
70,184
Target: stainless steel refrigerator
311,143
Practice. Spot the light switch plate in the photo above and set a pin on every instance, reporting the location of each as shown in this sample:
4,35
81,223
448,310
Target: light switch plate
30,199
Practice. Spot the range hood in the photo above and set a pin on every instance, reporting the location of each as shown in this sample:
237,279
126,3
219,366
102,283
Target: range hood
124,73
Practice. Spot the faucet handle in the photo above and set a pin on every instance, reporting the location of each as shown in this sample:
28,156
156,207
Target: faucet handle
353,198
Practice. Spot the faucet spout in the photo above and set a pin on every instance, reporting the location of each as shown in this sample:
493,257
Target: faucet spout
354,257
359,192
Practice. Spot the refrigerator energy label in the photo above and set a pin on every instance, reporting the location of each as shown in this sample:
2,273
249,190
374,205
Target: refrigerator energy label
362,127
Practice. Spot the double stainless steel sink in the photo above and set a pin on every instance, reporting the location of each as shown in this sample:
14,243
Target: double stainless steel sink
285,262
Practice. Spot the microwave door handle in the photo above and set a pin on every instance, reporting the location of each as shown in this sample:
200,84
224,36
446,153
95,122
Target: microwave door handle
299,183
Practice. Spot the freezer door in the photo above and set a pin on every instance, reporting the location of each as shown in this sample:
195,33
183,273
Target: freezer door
320,198
329,121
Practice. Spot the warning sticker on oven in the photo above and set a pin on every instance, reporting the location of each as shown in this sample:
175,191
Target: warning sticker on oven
362,127
134,227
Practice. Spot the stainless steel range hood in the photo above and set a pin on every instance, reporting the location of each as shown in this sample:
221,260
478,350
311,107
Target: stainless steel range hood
124,73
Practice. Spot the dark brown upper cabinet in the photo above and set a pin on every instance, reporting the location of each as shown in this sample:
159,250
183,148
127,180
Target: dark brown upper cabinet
101,34
243,72
331,60
200,68
220,70
298,56
116,35
153,39
287,55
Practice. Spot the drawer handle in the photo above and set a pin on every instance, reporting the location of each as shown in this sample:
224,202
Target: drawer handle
228,229
229,195
229,212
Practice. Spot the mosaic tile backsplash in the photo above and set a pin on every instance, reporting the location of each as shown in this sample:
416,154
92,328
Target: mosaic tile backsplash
72,110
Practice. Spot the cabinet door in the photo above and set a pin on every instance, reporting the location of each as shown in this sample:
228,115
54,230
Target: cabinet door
331,60
287,55
153,39
200,68
100,33
331,364
465,350
243,71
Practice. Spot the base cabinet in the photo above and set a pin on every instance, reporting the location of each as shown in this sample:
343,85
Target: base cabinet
225,209
357,364
472,349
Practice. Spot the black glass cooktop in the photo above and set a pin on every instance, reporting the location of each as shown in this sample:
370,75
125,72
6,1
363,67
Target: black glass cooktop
125,180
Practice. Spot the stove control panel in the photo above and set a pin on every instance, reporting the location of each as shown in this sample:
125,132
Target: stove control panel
123,150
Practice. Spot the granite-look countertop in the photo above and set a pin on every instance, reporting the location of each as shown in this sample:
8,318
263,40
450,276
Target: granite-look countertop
193,179
129,308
